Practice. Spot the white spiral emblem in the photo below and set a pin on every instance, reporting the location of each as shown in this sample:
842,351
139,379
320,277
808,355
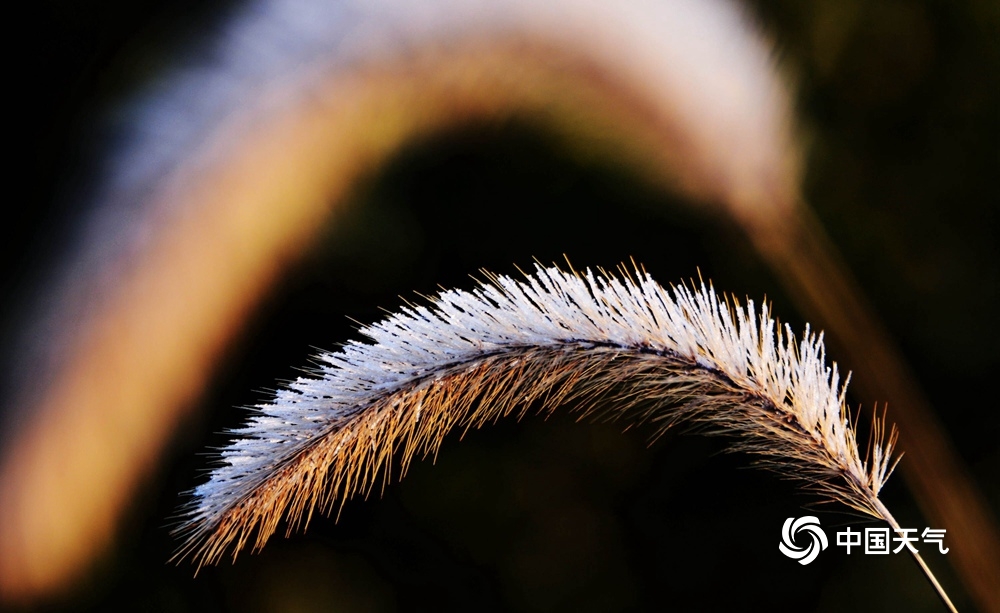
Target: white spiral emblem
792,528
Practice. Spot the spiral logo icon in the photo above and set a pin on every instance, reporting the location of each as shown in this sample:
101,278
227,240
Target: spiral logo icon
810,526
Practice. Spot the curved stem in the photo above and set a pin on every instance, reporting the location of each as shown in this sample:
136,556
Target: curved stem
927,571
804,258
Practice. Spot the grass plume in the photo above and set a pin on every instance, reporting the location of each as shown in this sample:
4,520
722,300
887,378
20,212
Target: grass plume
615,346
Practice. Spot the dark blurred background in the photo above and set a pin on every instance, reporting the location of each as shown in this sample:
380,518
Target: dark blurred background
899,105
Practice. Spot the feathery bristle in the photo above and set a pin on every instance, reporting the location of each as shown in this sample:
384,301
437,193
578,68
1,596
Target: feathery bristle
595,343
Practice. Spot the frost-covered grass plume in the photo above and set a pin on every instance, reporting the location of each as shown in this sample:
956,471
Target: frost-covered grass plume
618,346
